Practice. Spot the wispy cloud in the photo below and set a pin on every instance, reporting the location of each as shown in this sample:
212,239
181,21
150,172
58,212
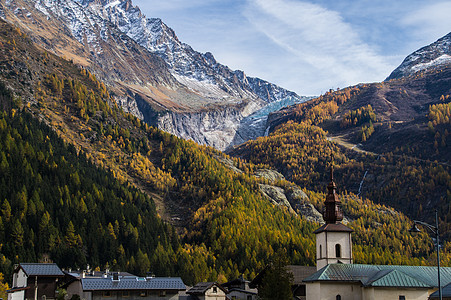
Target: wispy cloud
320,41
430,21
307,46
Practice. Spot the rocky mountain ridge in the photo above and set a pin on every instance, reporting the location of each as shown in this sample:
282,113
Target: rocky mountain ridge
199,71
429,57
151,73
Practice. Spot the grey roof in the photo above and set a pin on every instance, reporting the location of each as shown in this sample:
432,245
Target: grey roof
41,269
107,284
383,275
446,292
301,272
202,287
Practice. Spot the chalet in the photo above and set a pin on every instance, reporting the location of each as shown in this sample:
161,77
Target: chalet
338,278
207,291
239,289
119,286
35,281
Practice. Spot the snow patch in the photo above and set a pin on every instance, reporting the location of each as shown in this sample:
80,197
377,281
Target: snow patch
204,88
112,4
441,60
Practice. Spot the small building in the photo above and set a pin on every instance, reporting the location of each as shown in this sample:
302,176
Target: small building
207,291
300,273
125,286
33,281
239,289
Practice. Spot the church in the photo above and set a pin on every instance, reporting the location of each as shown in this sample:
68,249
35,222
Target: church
338,278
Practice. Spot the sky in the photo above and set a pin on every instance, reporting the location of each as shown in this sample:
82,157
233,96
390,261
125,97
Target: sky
306,46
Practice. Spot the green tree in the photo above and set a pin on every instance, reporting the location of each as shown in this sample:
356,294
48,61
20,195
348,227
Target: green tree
3,287
277,281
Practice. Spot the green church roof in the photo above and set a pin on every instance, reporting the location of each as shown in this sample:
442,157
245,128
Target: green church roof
383,275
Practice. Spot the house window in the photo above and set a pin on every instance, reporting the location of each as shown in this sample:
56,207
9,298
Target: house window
125,294
337,250
249,297
143,294
162,293
320,251
338,297
402,297
107,294
215,289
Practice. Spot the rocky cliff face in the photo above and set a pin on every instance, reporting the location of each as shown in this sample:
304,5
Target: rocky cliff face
152,74
432,56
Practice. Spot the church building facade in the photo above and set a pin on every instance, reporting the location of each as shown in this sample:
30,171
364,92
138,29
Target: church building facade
338,278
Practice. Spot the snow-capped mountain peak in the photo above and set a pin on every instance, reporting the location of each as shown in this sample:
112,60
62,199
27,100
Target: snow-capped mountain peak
429,57
157,77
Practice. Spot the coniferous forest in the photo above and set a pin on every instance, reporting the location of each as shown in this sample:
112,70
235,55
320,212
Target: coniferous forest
83,182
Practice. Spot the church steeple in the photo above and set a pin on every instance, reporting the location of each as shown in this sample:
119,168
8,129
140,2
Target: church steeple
333,239
332,206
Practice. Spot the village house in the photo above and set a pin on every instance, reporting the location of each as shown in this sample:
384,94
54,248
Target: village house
206,291
338,278
239,289
35,281
123,286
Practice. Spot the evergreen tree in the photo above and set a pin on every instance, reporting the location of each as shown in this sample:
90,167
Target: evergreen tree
277,281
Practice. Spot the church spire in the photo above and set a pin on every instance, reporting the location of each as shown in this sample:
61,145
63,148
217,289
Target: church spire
332,206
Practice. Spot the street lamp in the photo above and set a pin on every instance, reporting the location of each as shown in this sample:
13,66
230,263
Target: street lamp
434,230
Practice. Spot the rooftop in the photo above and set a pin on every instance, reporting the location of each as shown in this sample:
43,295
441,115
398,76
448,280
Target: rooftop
446,292
202,287
382,275
333,227
41,269
138,283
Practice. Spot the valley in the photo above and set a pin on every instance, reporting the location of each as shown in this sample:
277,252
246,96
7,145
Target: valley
117,152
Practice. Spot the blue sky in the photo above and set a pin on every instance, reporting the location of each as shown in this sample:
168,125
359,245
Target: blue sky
306,46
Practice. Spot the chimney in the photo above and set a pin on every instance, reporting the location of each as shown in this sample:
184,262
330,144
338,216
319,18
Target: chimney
116,276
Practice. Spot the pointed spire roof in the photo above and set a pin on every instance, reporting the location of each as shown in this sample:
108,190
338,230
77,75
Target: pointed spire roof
332,206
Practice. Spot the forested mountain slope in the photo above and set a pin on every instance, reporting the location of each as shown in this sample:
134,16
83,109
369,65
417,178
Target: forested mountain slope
401,125
97,180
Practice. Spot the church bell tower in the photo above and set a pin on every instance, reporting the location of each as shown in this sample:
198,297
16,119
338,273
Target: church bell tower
333,239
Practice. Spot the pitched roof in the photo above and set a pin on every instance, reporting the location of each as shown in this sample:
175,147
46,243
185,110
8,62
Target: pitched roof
301,272
236,282
107,284
396,278
202,287
41,269
382,275
333,227
446,292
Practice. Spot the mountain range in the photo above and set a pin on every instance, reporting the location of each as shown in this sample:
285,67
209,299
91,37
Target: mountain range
154,76
86,179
